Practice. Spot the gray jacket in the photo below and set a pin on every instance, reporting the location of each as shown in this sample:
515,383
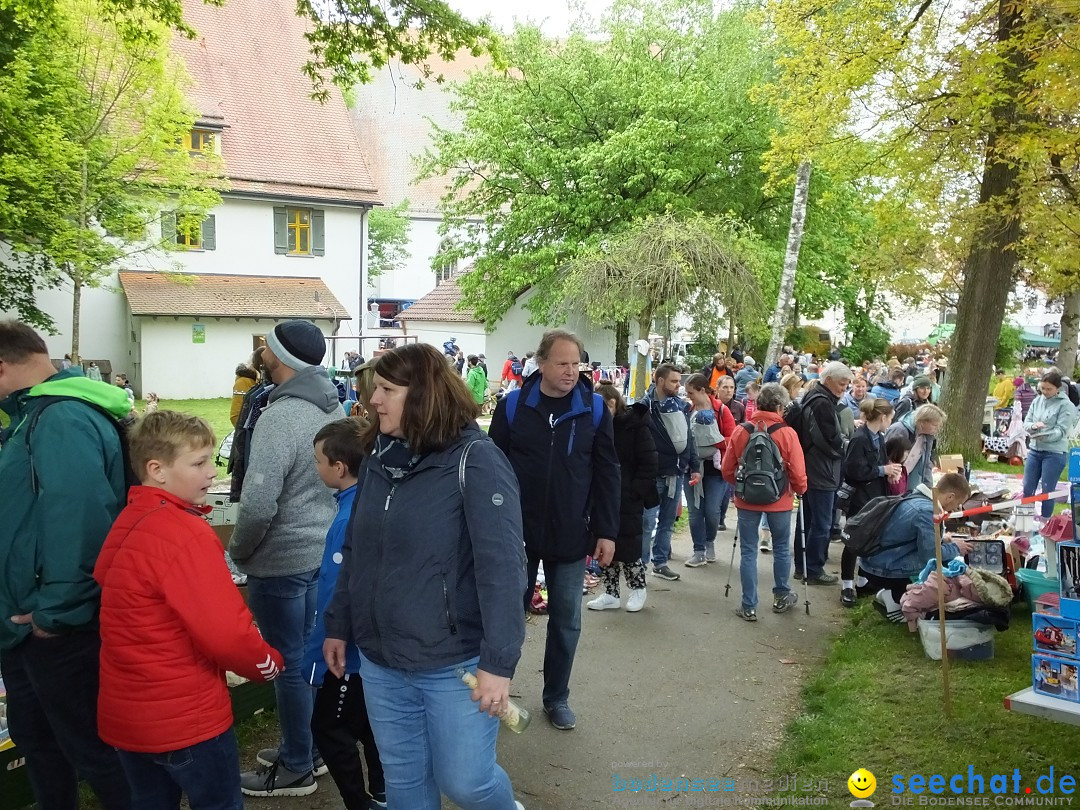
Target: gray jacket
285,508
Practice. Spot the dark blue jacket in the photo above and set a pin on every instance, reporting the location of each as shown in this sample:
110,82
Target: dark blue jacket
333,555
670,462
434,568
568,472
772,374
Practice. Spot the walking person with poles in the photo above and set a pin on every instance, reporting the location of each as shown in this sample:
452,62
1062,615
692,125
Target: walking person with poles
765,466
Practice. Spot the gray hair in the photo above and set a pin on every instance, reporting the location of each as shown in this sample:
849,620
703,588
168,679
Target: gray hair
773,397
552,335
837,370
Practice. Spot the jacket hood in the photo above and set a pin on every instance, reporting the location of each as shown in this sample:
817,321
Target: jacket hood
71,383
311,385
246,371
766,417
635,414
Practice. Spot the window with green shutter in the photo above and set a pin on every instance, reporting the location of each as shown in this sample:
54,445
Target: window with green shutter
188,235
299,231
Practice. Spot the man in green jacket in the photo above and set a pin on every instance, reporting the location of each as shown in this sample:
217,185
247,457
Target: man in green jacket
62,475
477,380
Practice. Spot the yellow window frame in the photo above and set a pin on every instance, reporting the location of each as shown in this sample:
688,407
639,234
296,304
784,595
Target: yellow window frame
199,141
190,240
299,231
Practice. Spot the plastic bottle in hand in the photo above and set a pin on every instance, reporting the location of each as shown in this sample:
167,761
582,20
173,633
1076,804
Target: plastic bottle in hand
514,717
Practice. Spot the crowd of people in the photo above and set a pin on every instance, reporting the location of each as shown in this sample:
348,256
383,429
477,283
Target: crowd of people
392,548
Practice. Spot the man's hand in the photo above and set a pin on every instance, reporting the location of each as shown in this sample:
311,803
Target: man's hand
492,691
28,618
333,650
604,553
695,479
964,546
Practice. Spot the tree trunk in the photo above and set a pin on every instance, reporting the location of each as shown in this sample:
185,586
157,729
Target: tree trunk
622,343
1070,333
731,329
791,261
639,381
76,315
991,261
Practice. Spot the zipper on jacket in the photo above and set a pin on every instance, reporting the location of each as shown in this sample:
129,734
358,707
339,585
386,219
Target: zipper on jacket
446,603
389,497
547,484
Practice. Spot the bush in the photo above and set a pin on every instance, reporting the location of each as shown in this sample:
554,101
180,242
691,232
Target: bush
902,350
867,339
1009,346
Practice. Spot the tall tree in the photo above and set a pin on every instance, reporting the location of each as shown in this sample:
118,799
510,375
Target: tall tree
780,318
388,239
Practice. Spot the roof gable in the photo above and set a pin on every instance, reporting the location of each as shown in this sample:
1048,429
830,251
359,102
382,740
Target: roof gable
440,305
245,62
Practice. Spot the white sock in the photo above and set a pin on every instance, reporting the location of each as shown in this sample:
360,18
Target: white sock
861,582
847,583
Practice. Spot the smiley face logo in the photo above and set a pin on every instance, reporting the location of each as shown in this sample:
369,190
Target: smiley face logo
862,783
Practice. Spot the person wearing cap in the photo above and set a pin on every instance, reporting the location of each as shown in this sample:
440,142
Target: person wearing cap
279,537
922,388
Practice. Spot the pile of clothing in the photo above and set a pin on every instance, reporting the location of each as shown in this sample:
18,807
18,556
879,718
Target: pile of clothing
970,593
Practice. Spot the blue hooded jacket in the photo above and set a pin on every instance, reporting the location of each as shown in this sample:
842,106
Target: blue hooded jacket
314,664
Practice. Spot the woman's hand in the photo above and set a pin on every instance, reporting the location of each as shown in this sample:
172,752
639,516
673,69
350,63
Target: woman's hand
333,650
492,691
892,471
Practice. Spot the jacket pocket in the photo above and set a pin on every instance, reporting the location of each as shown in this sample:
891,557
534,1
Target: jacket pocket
451,615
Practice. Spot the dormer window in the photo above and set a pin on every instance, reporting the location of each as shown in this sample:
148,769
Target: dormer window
200,141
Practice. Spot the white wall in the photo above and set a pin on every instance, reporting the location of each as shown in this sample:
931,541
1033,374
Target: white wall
470,336
175,368
415,278
514,332
104,334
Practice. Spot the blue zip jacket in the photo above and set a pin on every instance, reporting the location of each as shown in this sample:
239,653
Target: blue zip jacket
907,541
333,555
743,377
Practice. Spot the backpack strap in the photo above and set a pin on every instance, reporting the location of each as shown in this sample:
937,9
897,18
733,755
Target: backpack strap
511,400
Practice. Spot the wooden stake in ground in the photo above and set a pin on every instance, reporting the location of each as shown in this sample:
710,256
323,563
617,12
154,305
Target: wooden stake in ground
941,609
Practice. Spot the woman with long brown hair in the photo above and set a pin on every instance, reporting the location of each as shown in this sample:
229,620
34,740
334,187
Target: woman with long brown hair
431,584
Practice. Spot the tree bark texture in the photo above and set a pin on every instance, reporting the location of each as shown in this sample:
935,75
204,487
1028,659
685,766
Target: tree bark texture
622,343
791,261
990,264
1070,333
76,315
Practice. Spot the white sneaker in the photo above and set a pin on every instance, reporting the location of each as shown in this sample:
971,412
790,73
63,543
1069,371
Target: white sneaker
888,607
765,545
636,601
604,601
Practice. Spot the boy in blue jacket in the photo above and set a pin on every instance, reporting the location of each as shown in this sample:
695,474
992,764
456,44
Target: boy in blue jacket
340,717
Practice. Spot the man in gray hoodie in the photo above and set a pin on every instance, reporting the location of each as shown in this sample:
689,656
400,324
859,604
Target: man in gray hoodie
278,541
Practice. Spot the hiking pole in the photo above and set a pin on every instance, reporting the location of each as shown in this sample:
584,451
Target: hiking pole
731,563
805,585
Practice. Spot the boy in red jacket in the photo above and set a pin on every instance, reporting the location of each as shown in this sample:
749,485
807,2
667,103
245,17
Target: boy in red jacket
172,623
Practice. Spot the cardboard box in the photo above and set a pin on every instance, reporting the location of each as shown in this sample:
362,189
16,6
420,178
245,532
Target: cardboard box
1069,577
223,512
1048,604
953,463
1055,677
1053,635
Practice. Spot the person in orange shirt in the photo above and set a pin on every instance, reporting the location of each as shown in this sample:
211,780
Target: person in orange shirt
716,370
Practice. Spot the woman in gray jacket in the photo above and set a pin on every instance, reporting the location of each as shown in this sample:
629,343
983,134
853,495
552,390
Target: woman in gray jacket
1049,421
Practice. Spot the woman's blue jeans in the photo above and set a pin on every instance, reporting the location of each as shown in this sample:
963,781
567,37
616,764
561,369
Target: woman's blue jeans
433,739
705,516
780,524
1043,468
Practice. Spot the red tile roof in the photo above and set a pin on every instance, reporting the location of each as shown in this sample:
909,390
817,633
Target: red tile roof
213,295
246,64
439,305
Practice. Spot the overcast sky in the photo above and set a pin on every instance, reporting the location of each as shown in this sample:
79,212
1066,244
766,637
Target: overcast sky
554,15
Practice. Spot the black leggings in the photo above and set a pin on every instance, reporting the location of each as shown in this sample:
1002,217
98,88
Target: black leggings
895,585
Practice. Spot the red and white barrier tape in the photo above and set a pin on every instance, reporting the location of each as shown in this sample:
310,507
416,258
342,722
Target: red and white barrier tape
997,507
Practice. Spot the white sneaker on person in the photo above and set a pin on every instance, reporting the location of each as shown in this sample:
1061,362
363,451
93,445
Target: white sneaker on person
636,601
887,606
765,544
604,601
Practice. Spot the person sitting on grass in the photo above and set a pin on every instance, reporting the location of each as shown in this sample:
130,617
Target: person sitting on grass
907,542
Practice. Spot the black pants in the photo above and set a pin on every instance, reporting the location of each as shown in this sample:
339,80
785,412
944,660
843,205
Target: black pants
896,585
339,721
52,691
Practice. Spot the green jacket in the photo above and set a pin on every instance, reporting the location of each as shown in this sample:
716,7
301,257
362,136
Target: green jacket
49,541
477,383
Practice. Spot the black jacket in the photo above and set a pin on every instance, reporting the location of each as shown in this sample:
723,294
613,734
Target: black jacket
434,569
862,468
906,404
568,472
637,456
821,439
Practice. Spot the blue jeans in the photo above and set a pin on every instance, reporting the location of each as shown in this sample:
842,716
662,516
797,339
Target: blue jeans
725,500
433,739
817,510
208,773
705,517
52,686
1043,468
658,523
284,608
780,526
564,581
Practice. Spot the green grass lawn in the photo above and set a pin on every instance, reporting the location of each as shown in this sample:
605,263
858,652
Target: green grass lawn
877,704
214,411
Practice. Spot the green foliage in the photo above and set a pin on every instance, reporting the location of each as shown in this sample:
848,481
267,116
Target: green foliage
867,339
1010,344
388,239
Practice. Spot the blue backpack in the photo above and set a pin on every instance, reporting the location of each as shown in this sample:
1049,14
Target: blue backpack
597,408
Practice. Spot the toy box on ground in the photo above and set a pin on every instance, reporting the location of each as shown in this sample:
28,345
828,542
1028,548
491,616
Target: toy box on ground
1054,635
1035,585
1055,677
1048,603
964,639
1069,579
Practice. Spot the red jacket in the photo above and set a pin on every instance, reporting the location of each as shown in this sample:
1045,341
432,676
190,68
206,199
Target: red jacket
790,450
172,622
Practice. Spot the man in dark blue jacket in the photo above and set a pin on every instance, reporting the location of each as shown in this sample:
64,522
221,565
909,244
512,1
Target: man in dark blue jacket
669,421
564,458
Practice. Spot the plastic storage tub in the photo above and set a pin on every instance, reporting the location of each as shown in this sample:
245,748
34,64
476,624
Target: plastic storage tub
964,639
1035,585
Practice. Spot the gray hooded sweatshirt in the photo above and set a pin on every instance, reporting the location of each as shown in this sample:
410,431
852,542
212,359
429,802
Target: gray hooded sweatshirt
286,509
